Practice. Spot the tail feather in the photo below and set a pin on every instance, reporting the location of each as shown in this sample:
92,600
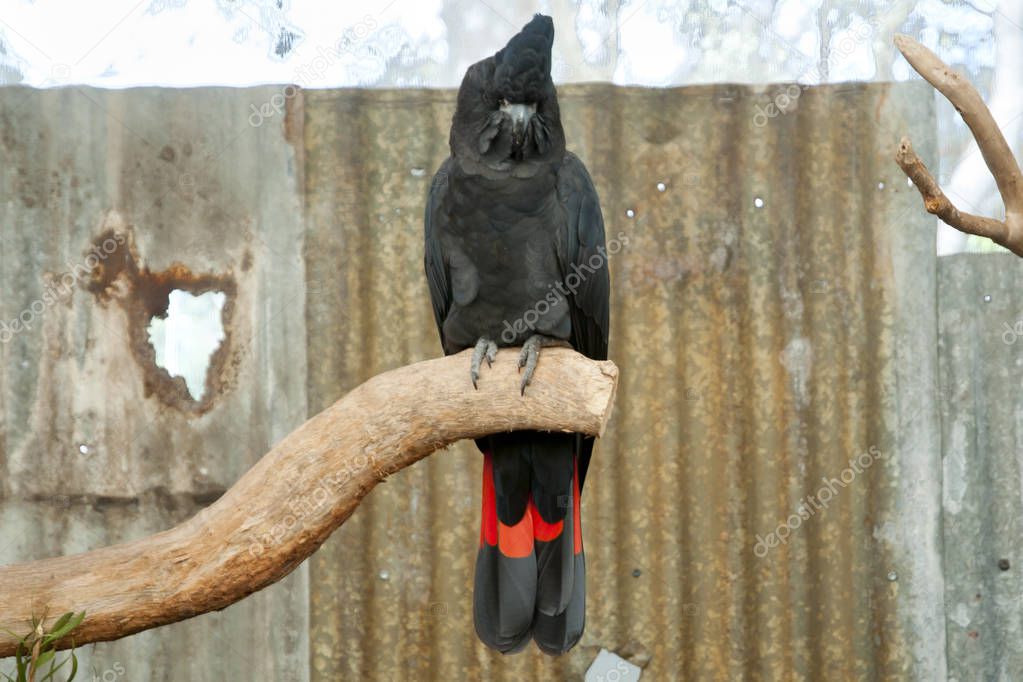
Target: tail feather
530,570
557,631
557,634
553,472
505,574
555,565
502,600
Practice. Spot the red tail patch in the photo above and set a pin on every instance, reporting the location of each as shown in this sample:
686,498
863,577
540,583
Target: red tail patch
517,540
488,526
543,531
513,541
577,522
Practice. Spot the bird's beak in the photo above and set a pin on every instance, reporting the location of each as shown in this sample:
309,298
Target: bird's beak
520,115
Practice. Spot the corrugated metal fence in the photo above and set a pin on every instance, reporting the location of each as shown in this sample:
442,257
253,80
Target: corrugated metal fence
813,470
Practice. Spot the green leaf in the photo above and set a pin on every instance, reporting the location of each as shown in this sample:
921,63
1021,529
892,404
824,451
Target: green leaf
66,626
77,620
44,658
61,621
20,662
74,666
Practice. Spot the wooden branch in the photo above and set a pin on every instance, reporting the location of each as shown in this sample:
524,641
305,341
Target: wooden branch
993,147
938,204
287,505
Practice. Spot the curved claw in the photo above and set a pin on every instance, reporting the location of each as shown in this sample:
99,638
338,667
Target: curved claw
485,348
528,358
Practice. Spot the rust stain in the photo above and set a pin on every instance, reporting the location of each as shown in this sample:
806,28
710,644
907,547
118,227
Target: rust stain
144,294
294,128
294,112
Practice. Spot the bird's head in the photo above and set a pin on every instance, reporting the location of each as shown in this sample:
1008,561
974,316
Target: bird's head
507,113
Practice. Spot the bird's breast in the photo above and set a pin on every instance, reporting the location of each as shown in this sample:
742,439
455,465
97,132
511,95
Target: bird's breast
502,257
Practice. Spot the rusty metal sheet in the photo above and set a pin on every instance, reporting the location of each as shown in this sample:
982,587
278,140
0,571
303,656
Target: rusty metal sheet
108,200
774,319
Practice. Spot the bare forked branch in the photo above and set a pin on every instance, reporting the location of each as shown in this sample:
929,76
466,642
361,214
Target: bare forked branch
993,146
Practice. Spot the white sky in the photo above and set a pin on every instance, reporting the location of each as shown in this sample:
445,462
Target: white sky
120,43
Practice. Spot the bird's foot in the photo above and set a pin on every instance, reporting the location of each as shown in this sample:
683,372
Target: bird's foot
485,348
530,355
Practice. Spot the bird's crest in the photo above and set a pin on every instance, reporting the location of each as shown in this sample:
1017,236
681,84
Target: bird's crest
523,66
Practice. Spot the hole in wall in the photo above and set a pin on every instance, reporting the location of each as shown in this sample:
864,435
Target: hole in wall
188,335
179,322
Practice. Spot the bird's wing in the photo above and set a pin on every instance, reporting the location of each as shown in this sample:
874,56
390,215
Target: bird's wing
582,251
437,275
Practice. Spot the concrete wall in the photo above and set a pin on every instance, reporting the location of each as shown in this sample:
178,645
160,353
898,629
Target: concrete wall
154,189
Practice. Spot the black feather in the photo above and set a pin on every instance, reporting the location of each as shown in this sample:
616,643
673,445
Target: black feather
509,227
524,65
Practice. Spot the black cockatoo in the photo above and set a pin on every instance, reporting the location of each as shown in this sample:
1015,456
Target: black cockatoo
515,255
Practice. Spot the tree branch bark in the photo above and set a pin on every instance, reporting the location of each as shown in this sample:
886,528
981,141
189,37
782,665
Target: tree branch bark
993,147
287,505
